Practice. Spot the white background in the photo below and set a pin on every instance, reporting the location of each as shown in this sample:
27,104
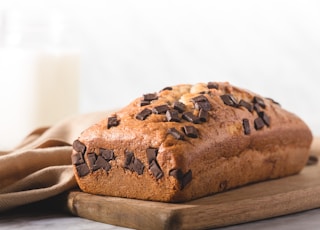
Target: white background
134,47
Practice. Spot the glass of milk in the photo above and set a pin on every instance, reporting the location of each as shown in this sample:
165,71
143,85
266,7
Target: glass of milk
39,73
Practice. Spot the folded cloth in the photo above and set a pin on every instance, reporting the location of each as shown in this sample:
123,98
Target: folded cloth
40,167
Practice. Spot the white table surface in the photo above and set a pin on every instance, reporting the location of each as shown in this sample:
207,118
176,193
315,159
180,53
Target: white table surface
41,217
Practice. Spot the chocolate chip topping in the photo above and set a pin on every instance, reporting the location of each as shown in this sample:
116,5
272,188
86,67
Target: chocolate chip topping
199,98
150,97
258,123
179,106
176,134
265,118
77,158
138,166
172,115
228,99
257,108
184,179
259,101
246,105
107,154
144,103
189,116
190,131
246,126
91,160
82,170
133,163
79,146
213,85
128,159
143,114
166,88
160,109
101,163
273,101
203,115
112,121
151,154
155,169
205,105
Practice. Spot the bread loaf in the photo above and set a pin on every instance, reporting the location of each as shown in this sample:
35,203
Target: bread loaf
189,141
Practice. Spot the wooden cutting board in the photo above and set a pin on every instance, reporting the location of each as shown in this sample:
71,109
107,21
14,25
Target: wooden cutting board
253,202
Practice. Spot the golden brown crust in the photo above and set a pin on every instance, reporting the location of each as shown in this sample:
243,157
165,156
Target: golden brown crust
222,153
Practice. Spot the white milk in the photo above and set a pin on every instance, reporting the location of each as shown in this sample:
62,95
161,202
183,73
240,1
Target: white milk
39,86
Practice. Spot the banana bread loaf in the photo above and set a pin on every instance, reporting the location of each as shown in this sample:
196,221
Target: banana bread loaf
190,141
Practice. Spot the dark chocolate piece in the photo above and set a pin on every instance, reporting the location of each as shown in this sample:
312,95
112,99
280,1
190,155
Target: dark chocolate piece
172,115
155,169
101,163
77,158
179,106
259,101
129,156
199,98
112,121
265,118
151,154
160,109
143,114
91,160
166,88
150,97
144,103
246,126
187,177
247,105
79,146
107,154
213,85
138,166
273,101
229,99
205,105
203,115
176,134
176,173
82,170
189,116
312,160
190,131
258,123
257,108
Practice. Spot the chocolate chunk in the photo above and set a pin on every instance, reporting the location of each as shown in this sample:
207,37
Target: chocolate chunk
257,108
203,115
112,121
199,98
213,85
172,115
258,123
246,126
273,101
143,114
101,163
247,105
186,179
77,158
228,99
176,173
160,109
91,160
265,118
190,131
150,97
188,116
205,105
312,160
155,169
259,101
176,134
79,146
151,154
144,103
179,106
82,170
138,166
107,154
129,156
166,88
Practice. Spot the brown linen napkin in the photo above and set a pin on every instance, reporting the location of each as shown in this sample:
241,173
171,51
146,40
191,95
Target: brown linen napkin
40,167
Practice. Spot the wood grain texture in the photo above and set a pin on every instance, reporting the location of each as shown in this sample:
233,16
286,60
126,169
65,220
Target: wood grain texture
248,203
